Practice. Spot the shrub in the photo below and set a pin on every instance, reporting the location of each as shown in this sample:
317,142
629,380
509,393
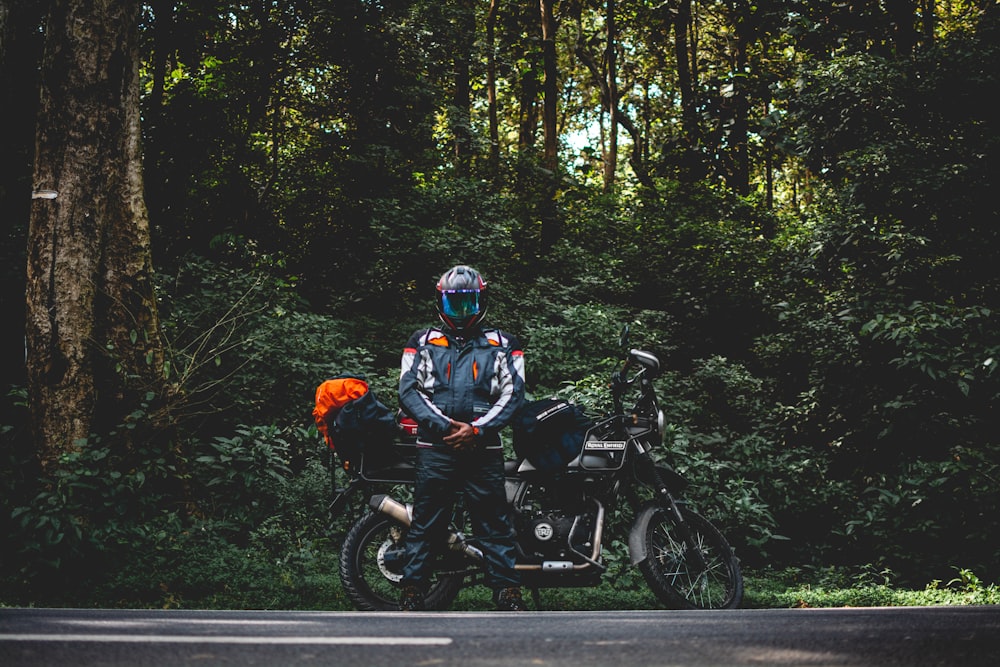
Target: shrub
245,349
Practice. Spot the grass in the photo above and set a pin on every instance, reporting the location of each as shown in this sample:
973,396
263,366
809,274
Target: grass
867,587
216,578
763,591
788,588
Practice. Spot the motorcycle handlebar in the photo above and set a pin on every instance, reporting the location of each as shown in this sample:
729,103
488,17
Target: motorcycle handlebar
619,379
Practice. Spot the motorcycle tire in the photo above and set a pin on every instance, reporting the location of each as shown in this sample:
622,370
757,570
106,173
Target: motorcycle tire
368,582
680,577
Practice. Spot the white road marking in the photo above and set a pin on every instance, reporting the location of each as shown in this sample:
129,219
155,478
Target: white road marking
125,623
230,639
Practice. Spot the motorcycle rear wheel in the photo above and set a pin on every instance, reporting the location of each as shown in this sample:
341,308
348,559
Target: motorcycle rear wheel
703,575
370,584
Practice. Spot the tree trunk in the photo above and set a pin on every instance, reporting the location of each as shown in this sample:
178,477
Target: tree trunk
927,21
903,17
547,212
462,100
93,336
611,159
491,89
685,75
768,164
527,127
738,172
162,27
622,119
549,86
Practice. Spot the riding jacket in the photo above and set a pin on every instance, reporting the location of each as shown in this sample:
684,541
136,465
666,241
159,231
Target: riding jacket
478,380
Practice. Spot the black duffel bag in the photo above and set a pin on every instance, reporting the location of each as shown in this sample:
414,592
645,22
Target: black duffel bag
549,432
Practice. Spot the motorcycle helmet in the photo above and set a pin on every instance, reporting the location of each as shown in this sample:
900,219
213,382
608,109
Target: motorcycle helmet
461,298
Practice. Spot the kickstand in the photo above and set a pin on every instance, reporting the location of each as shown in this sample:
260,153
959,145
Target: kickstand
536,597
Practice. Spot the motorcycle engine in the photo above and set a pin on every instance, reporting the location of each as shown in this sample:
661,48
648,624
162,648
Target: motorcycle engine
548,535
549,532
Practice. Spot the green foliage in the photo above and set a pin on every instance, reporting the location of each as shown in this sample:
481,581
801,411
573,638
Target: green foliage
942,343
715,417
791,587
590,393
862,586
94,496
927,516
248,470
602,598
831,383
244,344
571,342
907,143
233,526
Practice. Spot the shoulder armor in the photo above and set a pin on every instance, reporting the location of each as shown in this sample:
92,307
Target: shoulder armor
496,337
433,336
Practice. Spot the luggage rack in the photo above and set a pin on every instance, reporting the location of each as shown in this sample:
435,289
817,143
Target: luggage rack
380,466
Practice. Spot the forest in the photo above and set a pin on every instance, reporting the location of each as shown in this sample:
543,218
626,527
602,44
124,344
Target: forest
212,206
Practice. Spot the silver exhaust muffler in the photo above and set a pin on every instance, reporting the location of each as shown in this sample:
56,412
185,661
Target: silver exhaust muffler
404,515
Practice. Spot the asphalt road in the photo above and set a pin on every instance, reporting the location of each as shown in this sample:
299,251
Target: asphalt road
912,636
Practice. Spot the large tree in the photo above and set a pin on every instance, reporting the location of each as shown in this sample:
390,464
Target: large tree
93,337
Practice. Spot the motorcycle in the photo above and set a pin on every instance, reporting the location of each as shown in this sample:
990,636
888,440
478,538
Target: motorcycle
560,518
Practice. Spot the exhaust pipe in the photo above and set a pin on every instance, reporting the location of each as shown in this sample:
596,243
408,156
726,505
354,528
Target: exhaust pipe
404,515
397,510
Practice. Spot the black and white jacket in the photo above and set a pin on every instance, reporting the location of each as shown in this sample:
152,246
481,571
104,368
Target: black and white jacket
478,380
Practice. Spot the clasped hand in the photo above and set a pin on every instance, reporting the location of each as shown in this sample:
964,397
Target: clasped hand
460,436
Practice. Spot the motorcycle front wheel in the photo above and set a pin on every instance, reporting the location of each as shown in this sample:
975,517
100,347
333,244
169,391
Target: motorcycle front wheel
369,581
696,573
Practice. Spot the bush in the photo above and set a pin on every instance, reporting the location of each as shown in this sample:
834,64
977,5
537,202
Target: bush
245,348
232,524
568,343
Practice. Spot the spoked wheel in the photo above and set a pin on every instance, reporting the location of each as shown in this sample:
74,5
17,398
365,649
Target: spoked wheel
371,581
700,573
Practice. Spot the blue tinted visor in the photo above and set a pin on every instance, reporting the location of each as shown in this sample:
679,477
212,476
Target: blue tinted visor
459,304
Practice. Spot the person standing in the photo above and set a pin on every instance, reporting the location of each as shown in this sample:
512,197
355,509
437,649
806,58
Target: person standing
461,383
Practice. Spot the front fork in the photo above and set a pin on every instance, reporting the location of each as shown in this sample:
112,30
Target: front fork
667,503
